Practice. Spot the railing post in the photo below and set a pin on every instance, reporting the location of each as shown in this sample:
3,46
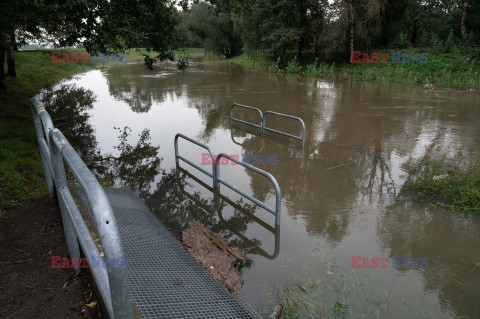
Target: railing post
262,129
61,182
216,175
45,157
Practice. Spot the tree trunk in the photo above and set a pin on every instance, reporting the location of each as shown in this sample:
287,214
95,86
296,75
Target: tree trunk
13,41
351,31
301,27
2,70
10,59
463,28
415,32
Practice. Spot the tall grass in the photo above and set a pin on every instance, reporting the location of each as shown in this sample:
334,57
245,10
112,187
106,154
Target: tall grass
451,185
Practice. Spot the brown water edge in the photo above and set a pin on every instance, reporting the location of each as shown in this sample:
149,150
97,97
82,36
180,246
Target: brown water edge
343,193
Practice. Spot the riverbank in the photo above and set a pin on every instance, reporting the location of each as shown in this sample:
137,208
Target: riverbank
452,71
29,286
21,171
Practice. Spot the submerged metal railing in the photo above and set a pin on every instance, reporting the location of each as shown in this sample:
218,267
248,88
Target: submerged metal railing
217,197
111,279
245,122
217,180
262,125
265,128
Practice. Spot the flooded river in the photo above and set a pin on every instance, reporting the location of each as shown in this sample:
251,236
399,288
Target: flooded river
343,194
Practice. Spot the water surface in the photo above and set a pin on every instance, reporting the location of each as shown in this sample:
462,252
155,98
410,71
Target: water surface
343,194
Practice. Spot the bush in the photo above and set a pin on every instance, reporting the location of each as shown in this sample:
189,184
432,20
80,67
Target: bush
275,68
293,66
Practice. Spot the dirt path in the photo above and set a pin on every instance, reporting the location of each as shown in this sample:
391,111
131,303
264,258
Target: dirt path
29,287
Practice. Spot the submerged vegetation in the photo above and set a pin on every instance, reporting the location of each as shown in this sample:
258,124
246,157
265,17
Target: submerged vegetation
442,71
454,186
324,289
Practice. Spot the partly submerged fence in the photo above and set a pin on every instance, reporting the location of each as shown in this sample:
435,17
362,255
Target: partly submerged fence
215,175
263,126
55,150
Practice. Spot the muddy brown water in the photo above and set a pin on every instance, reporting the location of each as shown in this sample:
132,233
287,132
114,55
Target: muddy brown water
343,194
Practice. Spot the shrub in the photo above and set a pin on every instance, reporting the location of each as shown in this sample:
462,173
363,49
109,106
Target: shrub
293,66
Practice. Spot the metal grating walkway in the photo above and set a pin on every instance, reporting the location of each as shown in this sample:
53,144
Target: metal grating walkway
165,281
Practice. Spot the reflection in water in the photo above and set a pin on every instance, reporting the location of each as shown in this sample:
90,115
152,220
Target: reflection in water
177,206
345,191
135,166
68,105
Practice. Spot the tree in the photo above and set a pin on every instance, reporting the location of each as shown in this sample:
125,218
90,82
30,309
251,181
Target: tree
463,29
102,25
215,28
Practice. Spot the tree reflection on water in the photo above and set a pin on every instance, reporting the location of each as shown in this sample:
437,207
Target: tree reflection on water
135,166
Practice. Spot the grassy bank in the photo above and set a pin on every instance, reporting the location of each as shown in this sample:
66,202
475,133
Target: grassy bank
21,172
451,70
448,184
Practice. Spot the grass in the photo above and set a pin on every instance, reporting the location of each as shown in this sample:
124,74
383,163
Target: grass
444,70
443,183
21,172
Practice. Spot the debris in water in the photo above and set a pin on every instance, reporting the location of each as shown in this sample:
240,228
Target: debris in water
213,252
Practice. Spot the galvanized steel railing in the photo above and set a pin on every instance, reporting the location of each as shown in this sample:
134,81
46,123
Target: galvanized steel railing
217,180
218,209
265,128
262,125
111,280
245,122
178,156
278,198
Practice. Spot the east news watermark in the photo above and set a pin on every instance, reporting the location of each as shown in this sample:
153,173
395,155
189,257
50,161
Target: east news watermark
95,262
382,57
383,262
82,57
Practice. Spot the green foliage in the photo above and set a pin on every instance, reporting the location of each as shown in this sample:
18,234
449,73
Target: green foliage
452,186
293,66
214,28
182,64
275,68
149,24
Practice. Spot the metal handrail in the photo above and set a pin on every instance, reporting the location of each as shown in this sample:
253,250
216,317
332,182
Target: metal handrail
278,199
216,175
111,280
245,122
264,128
217,196
262,125
178,156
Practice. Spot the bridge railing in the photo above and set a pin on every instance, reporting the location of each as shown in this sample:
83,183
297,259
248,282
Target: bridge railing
109,271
